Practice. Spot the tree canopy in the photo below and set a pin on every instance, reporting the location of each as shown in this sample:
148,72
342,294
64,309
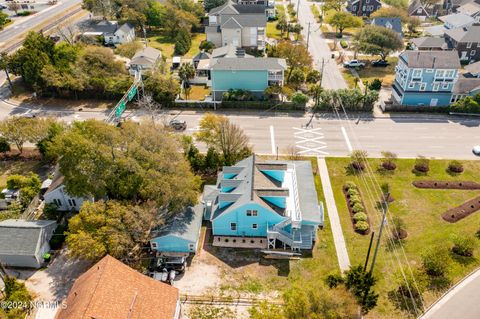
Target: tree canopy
19,130
132,162
378,41
342,20
297,55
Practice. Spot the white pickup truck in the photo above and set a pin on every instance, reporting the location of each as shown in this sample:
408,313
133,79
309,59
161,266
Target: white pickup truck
353,64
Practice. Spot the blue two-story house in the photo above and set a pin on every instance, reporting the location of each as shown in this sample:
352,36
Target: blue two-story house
425,78
264,204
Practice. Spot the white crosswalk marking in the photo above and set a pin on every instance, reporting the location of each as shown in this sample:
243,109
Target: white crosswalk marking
309,141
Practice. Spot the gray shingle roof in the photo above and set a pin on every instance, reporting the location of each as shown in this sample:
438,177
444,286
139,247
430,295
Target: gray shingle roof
457,19
185,225
243,64
245,20
229,6
251,187
228,51
396,24
147,54
126,27
470,8
431,59
429,42
472,34
466,85
22,237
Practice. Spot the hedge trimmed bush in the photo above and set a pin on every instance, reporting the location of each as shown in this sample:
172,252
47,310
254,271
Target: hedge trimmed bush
355,200
357,208
352,192
463,246
361,226
349,185
360,217
422,164
344,44
455,167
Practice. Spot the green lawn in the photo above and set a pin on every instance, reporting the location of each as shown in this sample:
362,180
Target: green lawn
369,73
166,44
421,211
272,31
198,92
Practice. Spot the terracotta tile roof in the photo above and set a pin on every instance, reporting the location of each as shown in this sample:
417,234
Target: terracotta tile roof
112,290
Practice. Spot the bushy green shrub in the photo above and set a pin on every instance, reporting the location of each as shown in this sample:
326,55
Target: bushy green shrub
422,164
299,98
435,262
376,85
360,217
344,44
4,145
352,192
355,200
183,42
58,237
24,13
357,208
455,167
361,226
463,246
349,185
333,280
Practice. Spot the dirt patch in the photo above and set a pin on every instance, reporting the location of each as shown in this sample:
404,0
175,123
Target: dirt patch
455,214
446,184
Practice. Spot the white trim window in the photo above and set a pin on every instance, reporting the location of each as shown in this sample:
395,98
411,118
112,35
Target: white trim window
411,85
440,74
445,85
154,245
450,74
254,226
417,73
435,86
423,86
472,53
469,45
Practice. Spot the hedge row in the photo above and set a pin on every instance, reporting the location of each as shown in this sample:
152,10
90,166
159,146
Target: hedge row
356,207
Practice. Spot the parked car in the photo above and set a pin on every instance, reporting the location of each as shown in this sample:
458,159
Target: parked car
476,150
382,63
178,125
354,64
177,264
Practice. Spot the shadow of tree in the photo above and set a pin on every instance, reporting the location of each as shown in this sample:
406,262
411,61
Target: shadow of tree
439,283
465,261
418,173
410,306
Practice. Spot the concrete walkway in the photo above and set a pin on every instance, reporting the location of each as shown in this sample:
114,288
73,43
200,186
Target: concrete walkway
340,247
461,301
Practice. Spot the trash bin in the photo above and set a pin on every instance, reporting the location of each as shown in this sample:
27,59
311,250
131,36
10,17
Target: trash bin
333,55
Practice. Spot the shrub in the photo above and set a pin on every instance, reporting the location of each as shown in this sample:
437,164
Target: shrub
24,13
360,217
455,167
207,46
4,145
349,185
299,98
388,160
422,164
434,262
50,211
128,49
58,237
344,44
183,42
358,159
357,208
477,234
333,280
361,226
352,192
376,85
313,76
398,229
355,200
463,246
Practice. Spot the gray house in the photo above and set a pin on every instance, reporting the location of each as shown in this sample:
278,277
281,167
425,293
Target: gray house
466,41
112,33
23,243
179,236
363,8
237,24
429,44
393,24
145,59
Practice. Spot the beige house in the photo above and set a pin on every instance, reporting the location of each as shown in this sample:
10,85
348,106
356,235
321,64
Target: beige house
239,25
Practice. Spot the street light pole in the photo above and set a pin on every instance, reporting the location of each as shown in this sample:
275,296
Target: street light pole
384,220
308,35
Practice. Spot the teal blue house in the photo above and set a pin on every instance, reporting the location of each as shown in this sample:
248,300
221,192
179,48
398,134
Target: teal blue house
264,204
425,78
245,73
179,235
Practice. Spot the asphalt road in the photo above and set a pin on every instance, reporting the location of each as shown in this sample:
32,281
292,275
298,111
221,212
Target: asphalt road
14,30
318,48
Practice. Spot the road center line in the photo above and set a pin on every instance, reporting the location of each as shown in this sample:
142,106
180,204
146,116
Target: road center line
272,138
347,140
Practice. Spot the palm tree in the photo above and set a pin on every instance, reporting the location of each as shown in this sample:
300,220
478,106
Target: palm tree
186,73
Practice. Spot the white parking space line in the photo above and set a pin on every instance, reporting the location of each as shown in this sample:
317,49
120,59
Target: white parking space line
347,140
272,138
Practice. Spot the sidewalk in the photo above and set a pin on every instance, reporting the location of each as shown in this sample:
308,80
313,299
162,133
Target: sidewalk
339,240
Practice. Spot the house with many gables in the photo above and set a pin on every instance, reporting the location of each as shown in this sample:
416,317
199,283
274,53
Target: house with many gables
425,78
241,25
264,204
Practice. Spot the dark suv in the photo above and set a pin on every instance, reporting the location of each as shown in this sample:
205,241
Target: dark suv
178,125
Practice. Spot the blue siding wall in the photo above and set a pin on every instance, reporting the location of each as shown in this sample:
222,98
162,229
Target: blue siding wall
229,175
172,243
227,189
265,217
223,80
276,174
276,200
412,98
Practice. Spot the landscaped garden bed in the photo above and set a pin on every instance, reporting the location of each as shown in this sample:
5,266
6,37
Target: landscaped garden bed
356,207
434,184
455,214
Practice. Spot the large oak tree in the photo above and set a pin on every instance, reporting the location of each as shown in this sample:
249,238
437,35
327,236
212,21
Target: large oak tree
377,40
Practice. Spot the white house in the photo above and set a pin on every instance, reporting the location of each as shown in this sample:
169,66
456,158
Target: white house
145,59
56,194
112,33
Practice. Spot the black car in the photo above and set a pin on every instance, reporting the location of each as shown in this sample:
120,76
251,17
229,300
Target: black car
382,63
178,125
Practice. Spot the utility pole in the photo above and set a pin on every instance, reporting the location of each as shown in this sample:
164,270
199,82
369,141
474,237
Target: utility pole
298,7
384,220
321,71
308,35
